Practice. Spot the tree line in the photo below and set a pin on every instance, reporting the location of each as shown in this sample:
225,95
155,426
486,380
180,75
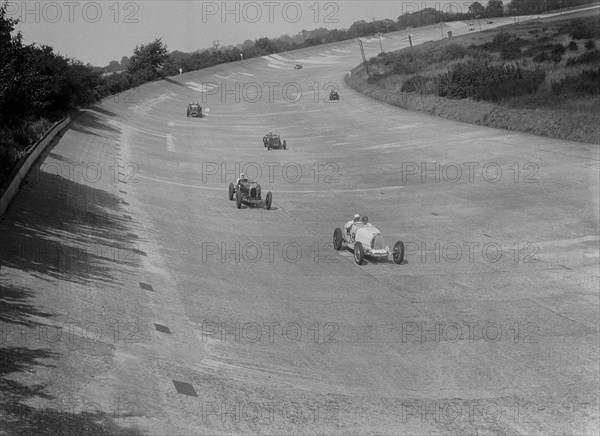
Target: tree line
39,86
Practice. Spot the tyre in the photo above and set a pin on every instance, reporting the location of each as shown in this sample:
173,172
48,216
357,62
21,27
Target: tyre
231,191
269,147
359,253
238,199
398,253
337,238
269,200
284,145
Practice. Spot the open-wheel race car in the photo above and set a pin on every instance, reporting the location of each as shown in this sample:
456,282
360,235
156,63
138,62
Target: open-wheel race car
248,192
333,95
364,239
271,141
194,110
297,67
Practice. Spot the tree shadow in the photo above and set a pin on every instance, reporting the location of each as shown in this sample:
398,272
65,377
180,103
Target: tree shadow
89,123
55,230
102,110
21,419
175,82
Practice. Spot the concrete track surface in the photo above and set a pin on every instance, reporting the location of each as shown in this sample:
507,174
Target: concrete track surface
131,285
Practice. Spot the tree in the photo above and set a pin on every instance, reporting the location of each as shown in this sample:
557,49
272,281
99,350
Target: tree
476,9
494,8
125,62
113,66
148,59
11,65
524,7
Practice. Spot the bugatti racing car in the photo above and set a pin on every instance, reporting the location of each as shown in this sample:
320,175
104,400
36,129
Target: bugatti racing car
271,141
248,192
364,239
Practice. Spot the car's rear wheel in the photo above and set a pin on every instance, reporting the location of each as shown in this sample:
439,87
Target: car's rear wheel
284,145
269,200
337,238
398,253
238,199
359,253
231,191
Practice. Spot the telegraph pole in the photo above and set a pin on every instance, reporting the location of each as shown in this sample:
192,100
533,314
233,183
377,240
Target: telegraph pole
380,46
362,51
216,44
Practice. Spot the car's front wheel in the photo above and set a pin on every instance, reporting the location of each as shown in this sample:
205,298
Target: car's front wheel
337,238
359,253
284,145
269,200
238,199
231,191
398,253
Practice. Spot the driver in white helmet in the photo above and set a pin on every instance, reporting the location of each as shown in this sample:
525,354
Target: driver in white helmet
349,224
241,179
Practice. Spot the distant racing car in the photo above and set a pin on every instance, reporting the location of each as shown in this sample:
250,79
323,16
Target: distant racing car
297,67
271,140
333,95
194,110
248,192
364,239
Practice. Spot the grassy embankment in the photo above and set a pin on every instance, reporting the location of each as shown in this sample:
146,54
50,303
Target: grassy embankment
536,77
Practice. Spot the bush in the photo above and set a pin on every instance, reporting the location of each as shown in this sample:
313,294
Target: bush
590,44
587,82
578,29
482,81
589,57
501,38
541,57
510,52
557,52
573,46
411,85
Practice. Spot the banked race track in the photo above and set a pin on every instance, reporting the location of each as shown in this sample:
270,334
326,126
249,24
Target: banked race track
138,299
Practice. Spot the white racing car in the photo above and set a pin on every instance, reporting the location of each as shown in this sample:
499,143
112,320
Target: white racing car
365,240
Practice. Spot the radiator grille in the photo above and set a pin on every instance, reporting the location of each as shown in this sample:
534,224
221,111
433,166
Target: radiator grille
377,242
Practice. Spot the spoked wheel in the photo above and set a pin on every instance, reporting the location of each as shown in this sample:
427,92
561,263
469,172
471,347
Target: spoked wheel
238,199
269,200
359,253
398,253
337,238
231,191
284,145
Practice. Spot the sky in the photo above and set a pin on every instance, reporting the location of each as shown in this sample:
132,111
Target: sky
98,32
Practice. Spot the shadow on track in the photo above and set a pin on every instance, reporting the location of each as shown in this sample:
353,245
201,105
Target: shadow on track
70,237
91,124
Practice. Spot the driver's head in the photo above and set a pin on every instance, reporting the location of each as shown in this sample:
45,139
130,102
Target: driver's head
356,217
242,176
365,220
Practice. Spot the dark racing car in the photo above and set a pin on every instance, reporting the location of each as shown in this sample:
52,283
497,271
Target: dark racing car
248,192
273,141
194,110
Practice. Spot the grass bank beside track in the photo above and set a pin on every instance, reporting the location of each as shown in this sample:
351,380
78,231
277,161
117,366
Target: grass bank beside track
581,127
553,110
